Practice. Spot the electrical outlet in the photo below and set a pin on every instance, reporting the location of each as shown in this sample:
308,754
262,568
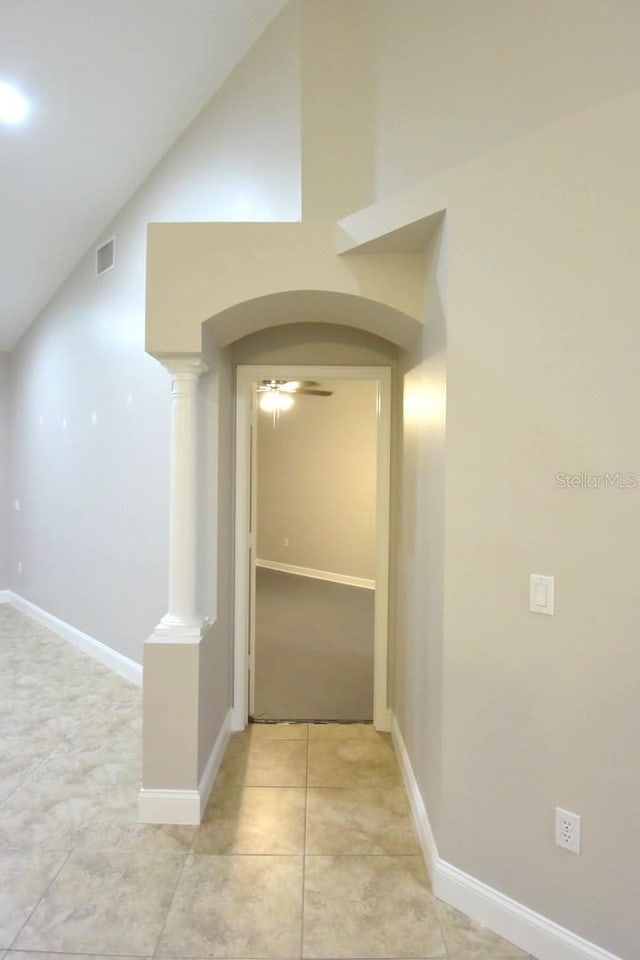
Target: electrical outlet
567,830
19,566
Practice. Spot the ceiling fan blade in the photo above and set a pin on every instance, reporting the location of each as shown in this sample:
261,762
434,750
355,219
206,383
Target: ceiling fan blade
294,386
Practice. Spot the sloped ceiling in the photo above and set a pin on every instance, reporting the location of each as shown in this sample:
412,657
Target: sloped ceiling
112,84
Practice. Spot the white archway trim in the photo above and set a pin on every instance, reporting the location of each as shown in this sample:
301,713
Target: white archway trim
247,376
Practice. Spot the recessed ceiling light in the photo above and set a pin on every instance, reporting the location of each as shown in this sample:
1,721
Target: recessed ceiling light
13,106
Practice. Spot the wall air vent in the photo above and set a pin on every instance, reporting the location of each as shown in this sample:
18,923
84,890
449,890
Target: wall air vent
106,257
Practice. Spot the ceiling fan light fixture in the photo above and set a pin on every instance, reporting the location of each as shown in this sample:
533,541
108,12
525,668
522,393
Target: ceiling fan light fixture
273,401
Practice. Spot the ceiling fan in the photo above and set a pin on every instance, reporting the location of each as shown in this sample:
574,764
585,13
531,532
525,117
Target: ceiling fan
293,386
277,395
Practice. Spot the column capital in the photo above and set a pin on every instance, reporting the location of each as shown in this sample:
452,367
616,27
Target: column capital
184,366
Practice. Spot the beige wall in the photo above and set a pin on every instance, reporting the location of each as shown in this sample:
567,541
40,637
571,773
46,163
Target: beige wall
171,712
325,344
215,480
338,108
455,77
419,542
542,340
316,481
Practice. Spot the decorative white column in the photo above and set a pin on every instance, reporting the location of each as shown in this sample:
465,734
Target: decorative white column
182,618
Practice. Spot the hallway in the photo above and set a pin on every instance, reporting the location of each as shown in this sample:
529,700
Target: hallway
307,848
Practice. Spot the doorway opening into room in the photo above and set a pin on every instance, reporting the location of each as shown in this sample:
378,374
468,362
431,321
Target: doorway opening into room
312,543
315,550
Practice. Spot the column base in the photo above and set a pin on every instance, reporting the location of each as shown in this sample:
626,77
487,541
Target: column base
172,629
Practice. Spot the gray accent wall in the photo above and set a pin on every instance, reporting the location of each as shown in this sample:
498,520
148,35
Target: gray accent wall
91,425
4,470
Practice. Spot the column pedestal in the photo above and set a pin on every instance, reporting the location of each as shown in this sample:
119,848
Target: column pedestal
171,791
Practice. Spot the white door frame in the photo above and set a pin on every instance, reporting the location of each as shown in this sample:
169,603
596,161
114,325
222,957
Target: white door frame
246,378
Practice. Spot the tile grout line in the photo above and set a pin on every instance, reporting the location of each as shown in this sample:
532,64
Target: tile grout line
304,845
154,953
42,896
25,780
74,953
441,928
446,955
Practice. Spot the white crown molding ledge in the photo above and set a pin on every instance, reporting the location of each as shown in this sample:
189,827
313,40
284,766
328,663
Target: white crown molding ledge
117,662
539,936
185,807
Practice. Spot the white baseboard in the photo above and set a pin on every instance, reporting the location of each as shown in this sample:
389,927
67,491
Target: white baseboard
416,803
238,720
213,763
99,651
185,807
317,574
539,936
180,807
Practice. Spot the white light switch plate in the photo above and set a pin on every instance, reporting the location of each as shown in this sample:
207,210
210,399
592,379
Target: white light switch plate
541,594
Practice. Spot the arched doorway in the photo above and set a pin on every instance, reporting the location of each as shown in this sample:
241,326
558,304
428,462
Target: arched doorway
314,350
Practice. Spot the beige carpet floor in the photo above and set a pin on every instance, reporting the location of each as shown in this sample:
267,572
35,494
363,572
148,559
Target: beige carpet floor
314,649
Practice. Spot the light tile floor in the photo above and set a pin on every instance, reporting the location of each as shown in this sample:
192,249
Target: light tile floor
307,848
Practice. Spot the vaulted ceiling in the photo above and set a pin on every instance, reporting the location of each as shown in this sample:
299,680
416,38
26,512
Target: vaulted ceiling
110,85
